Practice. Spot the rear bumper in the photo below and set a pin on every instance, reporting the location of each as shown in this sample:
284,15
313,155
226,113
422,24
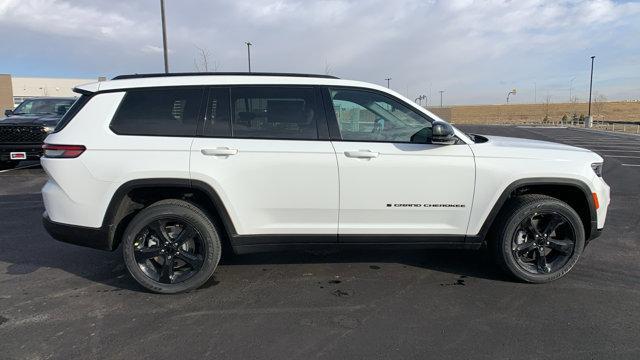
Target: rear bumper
33,151
96,238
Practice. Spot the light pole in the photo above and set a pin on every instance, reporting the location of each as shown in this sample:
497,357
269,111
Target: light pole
513,91
441,92
388,80
164,37
571,88
249,54
591,85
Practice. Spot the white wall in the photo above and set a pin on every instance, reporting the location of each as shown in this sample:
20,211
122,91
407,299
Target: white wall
32,86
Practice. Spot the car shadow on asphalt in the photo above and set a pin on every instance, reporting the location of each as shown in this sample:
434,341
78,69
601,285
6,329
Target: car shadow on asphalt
108,268
469,263
26,248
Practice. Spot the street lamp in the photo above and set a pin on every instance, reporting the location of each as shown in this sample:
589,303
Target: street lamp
591,87
571,88
164,37
512,92
388,80
420,98
249,54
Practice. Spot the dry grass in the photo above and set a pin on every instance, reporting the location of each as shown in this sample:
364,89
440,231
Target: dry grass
531,113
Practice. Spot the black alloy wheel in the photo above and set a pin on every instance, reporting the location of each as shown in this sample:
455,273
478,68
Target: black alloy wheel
169,250
543,243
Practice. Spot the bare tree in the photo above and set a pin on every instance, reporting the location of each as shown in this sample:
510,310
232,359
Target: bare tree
598,105
204,61
328,69
546,108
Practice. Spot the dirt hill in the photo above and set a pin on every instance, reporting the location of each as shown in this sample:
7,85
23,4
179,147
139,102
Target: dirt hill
527,113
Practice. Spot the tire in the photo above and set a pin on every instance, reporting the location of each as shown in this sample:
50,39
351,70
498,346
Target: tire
6,165
513,237
150,240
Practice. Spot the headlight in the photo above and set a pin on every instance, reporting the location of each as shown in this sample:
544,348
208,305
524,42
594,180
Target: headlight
49,129
597,168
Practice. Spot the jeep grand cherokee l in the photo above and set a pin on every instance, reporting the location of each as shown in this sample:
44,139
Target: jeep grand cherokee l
23,130
173,167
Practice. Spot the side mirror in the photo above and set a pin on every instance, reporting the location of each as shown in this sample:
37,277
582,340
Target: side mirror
442,133
8,112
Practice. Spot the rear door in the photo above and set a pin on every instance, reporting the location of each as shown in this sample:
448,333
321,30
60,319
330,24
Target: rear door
265,150
393,181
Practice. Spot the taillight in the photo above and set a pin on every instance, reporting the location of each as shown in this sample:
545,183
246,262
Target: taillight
62,151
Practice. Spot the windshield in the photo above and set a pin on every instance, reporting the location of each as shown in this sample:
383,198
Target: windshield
44,107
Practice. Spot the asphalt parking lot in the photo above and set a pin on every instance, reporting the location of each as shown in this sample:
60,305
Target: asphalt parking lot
65,302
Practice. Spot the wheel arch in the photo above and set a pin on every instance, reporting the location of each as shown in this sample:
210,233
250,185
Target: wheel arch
574,192
134,195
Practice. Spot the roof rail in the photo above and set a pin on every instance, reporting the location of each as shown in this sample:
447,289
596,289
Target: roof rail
139,76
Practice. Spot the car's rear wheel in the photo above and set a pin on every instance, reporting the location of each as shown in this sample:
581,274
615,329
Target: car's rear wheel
538,238
171,246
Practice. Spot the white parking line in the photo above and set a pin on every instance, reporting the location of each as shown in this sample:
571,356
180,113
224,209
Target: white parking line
602,144
630,164
594,137
21,167
600,139
623,150
606,147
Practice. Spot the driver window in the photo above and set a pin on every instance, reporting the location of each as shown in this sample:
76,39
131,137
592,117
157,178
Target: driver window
369,116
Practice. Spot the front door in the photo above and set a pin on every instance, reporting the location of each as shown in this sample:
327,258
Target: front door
393,181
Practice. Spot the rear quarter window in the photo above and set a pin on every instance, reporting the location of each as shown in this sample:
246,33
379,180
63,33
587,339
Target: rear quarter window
158,112
72,112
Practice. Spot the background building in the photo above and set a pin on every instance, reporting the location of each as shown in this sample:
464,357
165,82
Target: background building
15,89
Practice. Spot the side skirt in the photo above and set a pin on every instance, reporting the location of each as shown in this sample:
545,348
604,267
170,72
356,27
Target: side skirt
275,243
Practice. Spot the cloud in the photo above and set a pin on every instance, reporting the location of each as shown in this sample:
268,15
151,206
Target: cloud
152,49
65,18
473,49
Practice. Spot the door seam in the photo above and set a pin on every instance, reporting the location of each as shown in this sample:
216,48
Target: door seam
335,154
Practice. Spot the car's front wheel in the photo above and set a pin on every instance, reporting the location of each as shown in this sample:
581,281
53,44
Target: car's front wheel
171,246
538,238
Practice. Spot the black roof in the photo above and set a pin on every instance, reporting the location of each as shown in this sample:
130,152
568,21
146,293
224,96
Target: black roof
138,76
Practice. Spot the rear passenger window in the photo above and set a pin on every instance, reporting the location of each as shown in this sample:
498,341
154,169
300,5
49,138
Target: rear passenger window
217,120
166,112
275,112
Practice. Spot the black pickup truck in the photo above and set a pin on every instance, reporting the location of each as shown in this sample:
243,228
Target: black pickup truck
23,130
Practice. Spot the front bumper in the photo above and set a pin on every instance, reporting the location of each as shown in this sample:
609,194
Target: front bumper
97,238
595,233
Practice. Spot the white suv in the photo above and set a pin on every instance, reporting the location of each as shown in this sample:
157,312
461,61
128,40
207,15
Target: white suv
176,167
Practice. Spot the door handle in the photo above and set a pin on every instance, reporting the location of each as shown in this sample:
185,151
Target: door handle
221,151
362,154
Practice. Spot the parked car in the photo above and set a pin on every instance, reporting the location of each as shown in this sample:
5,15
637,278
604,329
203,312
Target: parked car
174,167
23,130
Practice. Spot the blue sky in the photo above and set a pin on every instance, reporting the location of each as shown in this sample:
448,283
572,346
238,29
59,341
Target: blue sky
474,50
